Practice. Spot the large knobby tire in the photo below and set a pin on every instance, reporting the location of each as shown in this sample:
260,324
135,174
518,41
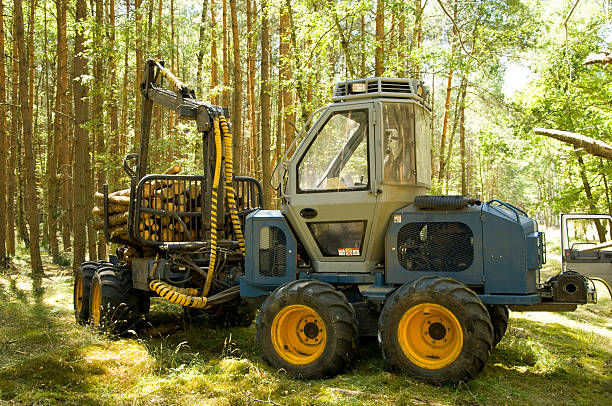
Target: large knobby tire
82,287
114,306
307,328
499,315
437,330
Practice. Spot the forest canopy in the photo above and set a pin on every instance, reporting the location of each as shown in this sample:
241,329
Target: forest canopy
495,70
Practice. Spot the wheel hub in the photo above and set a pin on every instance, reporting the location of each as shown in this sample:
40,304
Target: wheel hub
430,336
298,334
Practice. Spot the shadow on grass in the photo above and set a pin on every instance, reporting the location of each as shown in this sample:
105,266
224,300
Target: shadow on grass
46,358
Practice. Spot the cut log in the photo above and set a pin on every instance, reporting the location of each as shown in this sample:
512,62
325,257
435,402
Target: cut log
124,192
114,199
173,170
112,209
117,219
590,145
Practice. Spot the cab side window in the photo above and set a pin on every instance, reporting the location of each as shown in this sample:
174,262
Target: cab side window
337,159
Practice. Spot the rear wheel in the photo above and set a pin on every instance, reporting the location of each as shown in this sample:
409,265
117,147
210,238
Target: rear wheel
308,329
437,330
114,305
499,315
82,288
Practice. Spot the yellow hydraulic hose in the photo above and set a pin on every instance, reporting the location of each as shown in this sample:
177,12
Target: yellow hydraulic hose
213,209
181,296
229,186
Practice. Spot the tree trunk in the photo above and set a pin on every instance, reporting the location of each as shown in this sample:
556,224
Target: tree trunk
251,88
126,86
98,118
590,145
417,35
52,167
288,111
81,139
4,145
601,231
30,165
464,191
449,84
380,38
14,158
264,97
201,44
214,81
139,68
114,111
237,96
225,101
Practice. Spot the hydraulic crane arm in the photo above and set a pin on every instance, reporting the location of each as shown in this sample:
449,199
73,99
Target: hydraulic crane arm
181,100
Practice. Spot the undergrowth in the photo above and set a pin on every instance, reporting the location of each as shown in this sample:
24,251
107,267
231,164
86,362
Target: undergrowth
47,359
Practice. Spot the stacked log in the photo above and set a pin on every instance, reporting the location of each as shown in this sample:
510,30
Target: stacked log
165,195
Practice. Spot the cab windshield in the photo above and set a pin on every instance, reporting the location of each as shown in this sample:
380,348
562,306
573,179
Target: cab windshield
337,159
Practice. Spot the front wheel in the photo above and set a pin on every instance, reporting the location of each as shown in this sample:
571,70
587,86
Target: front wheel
307,328
437,330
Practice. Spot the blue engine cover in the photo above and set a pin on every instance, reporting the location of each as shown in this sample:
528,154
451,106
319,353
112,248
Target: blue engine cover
493,246
271,253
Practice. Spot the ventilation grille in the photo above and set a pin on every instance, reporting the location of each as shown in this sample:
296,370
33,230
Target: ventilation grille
378,87
272,252
435,247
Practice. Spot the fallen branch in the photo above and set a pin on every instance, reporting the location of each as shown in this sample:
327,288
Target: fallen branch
590,145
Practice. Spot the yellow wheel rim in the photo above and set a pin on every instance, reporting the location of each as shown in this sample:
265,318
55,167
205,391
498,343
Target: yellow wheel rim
96,303
430,336
298,334
78,297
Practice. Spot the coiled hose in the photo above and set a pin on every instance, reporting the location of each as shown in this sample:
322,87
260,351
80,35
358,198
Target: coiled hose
213,208
229,186
188,297
192,297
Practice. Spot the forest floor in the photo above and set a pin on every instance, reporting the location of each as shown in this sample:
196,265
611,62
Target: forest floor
45,358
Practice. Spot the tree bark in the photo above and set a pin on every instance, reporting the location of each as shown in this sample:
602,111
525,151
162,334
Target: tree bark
265,104
139,67
237,96
201,45
98,118
124,99
3,147
464,190
52,179
449,84
114,111
225,101
251,45
81,139
380,38
214,81
590,145
14,156
601,231
30,165
285,70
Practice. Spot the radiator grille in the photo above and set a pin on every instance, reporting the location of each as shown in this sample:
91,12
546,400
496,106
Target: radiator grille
272,252
435,247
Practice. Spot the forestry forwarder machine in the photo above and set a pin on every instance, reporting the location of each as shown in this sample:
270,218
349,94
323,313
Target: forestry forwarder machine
357,248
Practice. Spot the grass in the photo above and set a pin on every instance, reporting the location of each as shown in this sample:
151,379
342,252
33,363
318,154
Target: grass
47,359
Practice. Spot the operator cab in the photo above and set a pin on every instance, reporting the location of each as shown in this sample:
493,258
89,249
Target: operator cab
366,155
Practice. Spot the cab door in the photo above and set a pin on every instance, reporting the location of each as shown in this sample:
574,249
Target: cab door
330,201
